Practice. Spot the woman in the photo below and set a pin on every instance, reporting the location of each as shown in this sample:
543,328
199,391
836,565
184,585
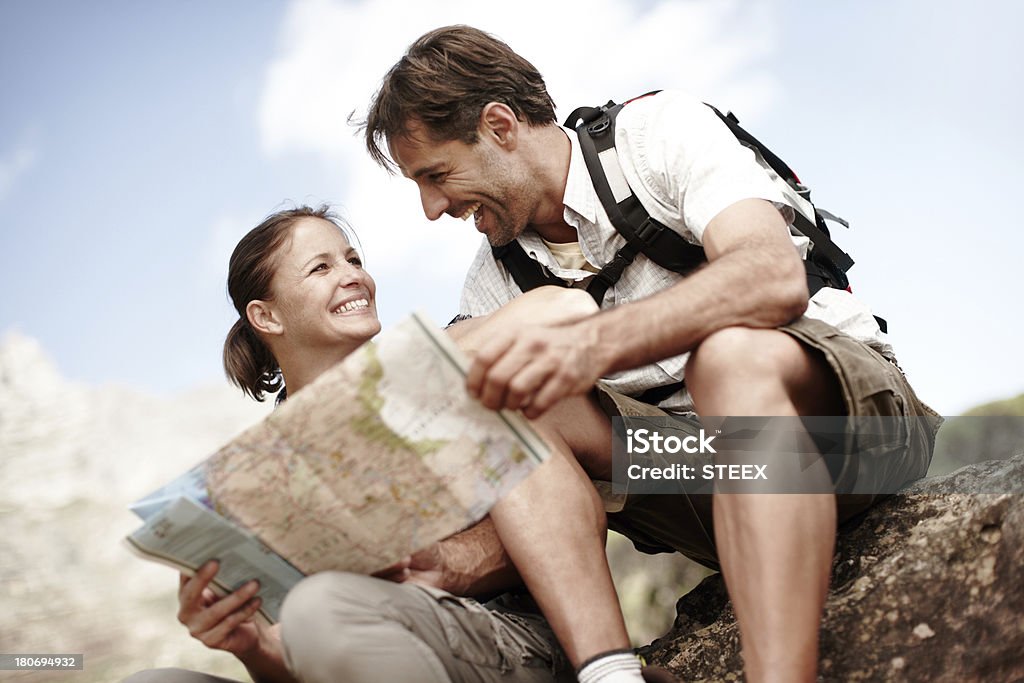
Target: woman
304,303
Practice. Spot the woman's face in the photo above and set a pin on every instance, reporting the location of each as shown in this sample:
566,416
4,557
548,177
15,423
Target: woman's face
322,297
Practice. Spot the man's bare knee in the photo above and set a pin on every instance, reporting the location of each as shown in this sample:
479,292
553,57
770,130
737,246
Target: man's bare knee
748,359
583,427
746,350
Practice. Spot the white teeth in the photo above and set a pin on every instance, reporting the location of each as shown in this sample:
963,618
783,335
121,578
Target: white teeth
470,211
351,306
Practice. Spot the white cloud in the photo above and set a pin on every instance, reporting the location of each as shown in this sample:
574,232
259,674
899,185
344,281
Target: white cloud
14,167
211,268
332,55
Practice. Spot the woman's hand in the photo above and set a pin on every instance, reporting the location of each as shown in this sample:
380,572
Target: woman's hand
219,623
227,624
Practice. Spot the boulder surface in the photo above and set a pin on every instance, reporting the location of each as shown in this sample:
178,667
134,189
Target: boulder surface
926,586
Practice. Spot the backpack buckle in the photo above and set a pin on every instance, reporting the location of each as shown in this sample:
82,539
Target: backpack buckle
600,126
649,231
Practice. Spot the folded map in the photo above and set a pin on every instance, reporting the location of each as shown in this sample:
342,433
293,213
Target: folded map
384,454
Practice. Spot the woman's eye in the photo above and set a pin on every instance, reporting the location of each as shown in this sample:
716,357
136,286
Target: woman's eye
356,261
319,267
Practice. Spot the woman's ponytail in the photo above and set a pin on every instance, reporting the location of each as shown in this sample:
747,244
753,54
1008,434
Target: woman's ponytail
248,362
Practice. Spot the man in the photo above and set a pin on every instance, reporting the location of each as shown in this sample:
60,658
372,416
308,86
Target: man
471,122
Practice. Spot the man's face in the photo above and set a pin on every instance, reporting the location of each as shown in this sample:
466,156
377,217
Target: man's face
481,180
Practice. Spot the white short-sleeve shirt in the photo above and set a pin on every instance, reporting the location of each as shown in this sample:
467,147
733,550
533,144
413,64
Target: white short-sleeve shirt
685,167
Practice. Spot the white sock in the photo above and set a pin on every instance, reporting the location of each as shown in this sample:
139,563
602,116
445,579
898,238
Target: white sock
614,667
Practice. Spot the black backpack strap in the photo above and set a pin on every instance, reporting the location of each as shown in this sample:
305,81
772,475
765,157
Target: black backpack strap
611,272
660,244
777,164
526,272
665,247
529,274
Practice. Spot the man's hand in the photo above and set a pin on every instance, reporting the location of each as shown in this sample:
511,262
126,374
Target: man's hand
425,567
535,367
471,563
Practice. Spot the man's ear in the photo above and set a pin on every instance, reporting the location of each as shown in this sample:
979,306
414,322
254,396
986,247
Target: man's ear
499,122
262,318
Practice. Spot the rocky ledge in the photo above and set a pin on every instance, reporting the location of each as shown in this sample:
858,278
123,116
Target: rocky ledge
927,586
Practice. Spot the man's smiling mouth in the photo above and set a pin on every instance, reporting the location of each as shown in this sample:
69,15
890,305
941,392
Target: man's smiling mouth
470,211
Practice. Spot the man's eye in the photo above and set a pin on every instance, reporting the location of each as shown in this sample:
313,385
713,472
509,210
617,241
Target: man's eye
438,177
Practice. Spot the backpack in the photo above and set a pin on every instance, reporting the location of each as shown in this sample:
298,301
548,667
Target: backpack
826,264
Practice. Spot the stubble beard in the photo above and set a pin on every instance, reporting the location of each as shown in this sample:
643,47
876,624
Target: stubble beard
512,215
504,231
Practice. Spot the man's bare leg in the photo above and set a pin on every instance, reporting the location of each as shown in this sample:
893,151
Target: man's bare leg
775,549
553,528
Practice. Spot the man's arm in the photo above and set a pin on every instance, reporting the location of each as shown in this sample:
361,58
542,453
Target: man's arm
471,563
754,278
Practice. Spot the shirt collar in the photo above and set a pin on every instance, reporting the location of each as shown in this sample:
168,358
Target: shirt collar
579,198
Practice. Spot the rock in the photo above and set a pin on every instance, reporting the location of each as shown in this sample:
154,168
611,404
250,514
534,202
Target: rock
72,457
927,586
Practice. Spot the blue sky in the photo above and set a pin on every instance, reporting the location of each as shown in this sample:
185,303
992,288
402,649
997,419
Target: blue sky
139,141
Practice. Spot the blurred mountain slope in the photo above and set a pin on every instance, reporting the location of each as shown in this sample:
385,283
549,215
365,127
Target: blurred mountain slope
73,457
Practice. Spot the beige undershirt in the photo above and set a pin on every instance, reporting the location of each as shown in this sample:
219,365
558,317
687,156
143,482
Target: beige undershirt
570,256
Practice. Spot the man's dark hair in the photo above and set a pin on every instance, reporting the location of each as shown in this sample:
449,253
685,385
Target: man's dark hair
444,80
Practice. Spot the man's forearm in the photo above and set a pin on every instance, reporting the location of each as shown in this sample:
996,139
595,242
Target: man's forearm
475,562
737,289
754,278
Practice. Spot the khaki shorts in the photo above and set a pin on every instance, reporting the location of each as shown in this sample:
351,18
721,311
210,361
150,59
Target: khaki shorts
339,626
871,385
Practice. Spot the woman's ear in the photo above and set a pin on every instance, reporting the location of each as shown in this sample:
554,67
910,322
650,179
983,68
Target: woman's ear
262,318
498,121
